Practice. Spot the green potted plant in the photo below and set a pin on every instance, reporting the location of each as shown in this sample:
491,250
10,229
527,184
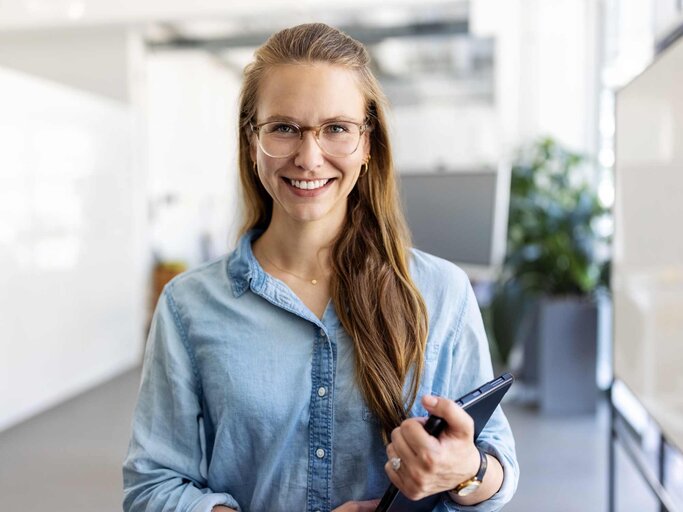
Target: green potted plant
555,262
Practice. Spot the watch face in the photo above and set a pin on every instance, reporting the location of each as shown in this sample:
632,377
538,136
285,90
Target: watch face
469,488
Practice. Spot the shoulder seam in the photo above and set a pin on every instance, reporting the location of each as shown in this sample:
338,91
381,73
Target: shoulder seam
183,336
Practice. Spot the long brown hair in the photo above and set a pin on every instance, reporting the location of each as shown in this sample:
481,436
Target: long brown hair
377,302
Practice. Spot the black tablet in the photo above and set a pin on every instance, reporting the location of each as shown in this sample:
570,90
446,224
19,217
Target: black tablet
480,404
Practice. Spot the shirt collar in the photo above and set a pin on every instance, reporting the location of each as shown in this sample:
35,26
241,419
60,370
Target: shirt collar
242,265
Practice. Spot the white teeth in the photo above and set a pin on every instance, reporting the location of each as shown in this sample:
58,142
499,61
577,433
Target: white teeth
308,185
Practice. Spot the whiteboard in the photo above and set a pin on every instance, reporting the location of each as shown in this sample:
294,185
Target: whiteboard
647,279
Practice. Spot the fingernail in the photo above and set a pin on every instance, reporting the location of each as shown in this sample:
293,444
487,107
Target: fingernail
430,400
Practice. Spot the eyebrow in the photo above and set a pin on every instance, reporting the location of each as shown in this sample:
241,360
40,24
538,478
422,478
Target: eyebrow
278,117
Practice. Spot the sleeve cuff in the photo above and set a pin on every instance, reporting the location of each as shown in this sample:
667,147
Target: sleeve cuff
498,500
208,501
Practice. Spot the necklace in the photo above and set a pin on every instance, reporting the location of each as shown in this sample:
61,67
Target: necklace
313,281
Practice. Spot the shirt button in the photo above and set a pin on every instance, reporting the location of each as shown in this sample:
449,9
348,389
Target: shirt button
320,453
321,391
322,333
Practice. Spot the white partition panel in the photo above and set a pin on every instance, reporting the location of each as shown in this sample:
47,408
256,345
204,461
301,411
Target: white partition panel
71,243
648,244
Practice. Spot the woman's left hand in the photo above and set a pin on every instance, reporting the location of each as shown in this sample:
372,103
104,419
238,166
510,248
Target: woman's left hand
428,464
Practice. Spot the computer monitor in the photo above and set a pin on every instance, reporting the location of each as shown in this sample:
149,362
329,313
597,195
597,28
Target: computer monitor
460,216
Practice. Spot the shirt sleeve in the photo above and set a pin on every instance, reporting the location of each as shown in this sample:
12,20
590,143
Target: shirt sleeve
472,369
165,468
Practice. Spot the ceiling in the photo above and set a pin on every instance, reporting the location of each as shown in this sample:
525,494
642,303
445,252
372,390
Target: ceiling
234,15
419,50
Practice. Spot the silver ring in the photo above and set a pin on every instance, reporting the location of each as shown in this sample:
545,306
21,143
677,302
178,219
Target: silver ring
395,463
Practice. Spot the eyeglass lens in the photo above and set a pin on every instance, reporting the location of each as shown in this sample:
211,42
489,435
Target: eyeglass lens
279,139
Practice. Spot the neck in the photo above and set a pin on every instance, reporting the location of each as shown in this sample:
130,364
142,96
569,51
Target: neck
302,248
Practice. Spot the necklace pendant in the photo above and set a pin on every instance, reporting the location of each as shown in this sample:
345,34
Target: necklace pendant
314,281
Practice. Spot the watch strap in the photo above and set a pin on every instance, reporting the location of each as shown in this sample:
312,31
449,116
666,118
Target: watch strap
476,479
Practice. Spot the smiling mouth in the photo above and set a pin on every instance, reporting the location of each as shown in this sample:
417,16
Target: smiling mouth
308,184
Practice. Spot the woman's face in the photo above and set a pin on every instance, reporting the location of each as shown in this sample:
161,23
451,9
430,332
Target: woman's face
310,95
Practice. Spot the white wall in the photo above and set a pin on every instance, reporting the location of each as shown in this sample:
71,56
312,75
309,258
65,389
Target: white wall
72,215
71,243
430,136
192,131
559,72
547,68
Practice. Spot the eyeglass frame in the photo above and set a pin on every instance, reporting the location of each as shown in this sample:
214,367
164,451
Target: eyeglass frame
362,127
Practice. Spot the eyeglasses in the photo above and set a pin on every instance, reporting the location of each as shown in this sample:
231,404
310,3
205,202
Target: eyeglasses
280,139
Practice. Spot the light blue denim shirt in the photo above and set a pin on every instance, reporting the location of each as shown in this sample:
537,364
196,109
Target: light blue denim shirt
248,399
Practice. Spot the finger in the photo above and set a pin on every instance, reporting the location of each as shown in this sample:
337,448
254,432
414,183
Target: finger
414,433
391,455
427,448
460,424
391,451
415,467
394,475
401,447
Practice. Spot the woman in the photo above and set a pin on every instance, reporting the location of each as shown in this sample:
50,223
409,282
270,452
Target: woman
295,373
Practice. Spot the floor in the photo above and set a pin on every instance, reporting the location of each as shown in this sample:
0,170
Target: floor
69,458
564,468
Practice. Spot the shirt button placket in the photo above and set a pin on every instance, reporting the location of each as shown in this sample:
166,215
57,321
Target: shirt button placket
320,440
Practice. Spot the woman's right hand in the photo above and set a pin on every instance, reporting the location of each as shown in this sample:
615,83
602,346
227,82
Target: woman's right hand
358,506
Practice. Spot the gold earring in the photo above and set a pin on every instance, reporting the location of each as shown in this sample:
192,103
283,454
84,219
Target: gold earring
363,172
254,168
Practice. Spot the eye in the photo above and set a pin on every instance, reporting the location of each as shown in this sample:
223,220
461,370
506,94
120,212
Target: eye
338,128
281,128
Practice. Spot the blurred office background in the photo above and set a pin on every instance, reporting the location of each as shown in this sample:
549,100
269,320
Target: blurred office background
118,169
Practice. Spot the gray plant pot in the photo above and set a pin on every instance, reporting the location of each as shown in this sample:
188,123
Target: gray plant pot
567,351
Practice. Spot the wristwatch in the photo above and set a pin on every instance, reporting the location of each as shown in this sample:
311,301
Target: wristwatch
472,484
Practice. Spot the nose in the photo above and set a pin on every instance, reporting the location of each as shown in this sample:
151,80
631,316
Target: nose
309,155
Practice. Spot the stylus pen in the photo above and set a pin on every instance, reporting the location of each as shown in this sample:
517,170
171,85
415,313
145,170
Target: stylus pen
434,427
